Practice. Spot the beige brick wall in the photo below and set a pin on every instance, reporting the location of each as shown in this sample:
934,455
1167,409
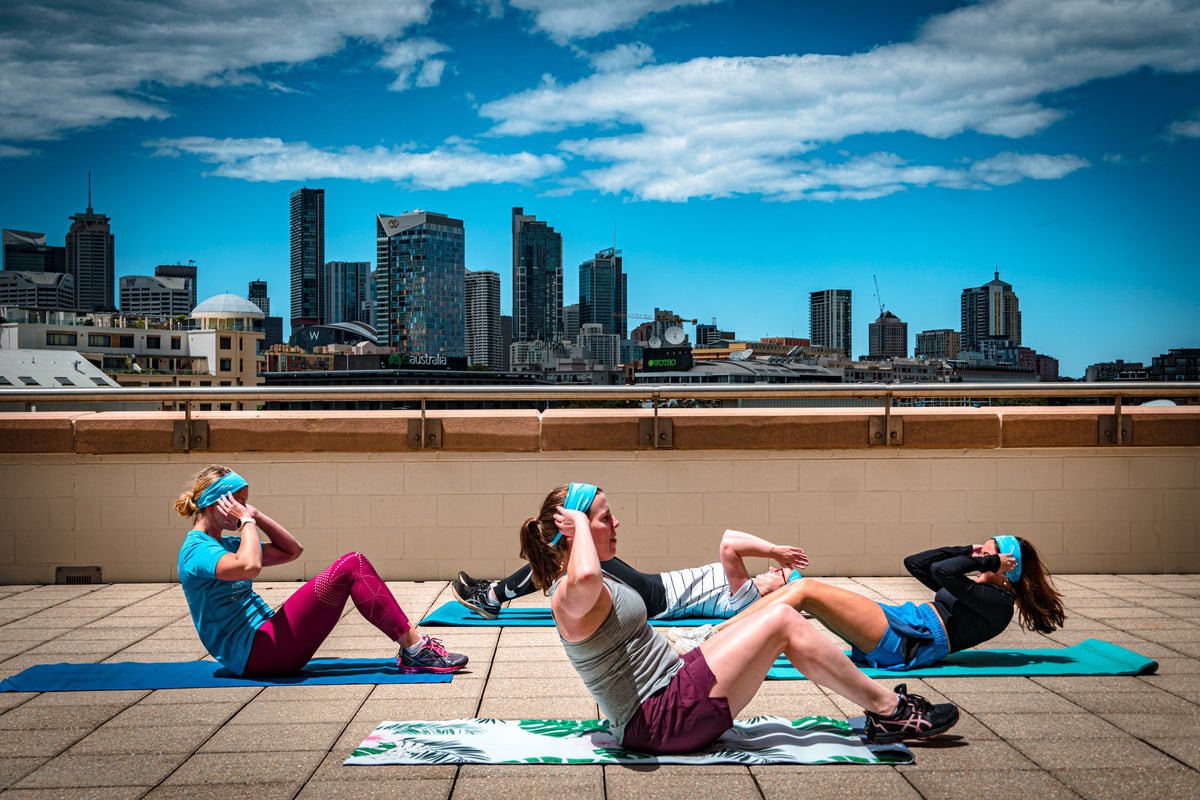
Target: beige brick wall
422,514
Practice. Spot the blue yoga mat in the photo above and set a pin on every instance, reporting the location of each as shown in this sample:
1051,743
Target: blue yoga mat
1089,657
202,675
454,613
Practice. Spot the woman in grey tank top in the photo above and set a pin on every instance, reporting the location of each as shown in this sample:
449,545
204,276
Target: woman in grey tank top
656,701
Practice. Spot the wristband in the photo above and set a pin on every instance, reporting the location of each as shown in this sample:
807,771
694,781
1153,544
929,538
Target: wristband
244,521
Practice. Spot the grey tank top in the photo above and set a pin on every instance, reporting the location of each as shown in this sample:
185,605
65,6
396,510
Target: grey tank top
624,661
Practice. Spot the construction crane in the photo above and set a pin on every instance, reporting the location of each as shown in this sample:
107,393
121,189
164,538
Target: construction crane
878,299
667,317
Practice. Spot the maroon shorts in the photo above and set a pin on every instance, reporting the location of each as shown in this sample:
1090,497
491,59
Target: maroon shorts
680,717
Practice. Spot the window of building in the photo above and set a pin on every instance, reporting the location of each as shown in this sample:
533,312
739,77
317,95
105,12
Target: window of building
5,381
154,342
206,406
58,338
226,342
63,381
226,364
206,383
185,383
28,381
126,341
100,381
98,340
226,406
226,383
174,342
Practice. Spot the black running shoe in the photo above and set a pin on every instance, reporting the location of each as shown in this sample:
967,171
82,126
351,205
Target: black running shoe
915,718
476,598
468,581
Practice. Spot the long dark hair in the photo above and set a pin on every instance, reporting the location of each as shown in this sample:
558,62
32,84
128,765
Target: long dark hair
536,535
1038,601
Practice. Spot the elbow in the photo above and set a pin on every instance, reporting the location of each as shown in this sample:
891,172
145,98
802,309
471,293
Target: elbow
296,551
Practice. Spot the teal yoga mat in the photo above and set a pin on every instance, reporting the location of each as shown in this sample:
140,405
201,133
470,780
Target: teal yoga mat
454,613
1089,657
202,675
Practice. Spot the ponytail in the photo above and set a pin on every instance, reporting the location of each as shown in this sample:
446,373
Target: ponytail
545,561
185,504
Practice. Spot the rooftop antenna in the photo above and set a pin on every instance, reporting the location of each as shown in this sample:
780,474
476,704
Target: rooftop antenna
878,299
89,191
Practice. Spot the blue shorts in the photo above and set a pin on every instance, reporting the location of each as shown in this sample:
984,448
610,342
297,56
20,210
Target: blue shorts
915,638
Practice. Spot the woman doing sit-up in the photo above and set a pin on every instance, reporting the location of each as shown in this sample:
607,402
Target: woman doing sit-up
965,611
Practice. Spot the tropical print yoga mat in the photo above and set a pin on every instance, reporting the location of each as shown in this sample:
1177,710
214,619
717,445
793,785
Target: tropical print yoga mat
761,740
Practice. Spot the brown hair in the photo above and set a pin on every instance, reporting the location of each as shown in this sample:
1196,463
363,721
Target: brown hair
185,505
1038,601
536,535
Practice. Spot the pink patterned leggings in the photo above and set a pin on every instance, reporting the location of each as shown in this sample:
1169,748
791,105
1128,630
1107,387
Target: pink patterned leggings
284,643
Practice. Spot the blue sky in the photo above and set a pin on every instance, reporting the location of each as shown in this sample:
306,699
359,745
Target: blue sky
742,153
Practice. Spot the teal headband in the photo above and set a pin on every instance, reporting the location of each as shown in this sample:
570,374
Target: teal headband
1010,545
579,498
229,482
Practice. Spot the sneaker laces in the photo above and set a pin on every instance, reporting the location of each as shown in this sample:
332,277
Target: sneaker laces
436,646
919,703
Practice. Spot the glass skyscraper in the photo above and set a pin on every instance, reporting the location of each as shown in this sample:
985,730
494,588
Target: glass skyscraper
537,279
829,319
347,292
308,257
602,293
420,284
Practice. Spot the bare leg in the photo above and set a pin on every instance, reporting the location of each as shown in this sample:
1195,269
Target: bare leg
857,619
742,654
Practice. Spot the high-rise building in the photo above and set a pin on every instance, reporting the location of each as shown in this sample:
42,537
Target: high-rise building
537,279
829,321
420,283
90,259
272,326
347,291
256,293
187,272
26,251
151,296
888,337
571,322
602,292
603,347
942,343
37,290
308,256
990,311
485,341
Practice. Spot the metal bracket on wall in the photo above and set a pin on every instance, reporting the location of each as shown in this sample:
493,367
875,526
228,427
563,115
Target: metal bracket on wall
1116,429
885,430
656,431
189,434
425,434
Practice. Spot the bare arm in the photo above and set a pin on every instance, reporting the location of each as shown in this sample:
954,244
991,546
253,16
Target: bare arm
282,546
582,601
737,545
247,562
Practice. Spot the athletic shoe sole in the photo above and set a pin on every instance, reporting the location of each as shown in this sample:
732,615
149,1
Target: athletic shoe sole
435,670
467,602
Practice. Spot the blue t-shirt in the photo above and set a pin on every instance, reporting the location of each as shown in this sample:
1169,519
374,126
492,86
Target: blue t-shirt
226,613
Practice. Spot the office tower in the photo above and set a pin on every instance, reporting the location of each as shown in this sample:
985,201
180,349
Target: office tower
829,319
151,296
942,343
90,259
420,283
888,337
537,279
26,251
187,272
505,340
308,257
990,311
37,290
604,347
256,293
602,293
571,322
347,294
484,338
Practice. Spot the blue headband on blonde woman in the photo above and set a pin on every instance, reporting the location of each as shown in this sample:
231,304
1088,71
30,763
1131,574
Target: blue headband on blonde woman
229,482
1010,545
579,498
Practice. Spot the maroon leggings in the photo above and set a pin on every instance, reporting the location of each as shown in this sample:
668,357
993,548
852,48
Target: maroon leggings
284,643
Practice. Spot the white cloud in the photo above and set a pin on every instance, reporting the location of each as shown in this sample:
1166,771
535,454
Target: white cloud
268,159
8,151
68,65
1184,129
414,57
719,126
622,57
564,20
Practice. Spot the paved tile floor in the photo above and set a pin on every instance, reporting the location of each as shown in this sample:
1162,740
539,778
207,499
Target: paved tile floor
1121,737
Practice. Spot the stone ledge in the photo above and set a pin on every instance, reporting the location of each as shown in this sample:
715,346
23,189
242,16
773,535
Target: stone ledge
38,432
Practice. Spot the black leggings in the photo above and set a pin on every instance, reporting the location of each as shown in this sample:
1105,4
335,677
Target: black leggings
649,586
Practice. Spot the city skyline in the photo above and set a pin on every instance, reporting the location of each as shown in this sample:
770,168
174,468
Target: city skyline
741,155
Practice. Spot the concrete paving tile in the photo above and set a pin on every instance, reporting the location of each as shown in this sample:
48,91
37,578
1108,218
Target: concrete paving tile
1177,664
1185,748
46,743
1155,702
1170,783
28,717
265,767
951,785
284,789
534,687
183,737
58,699
332,770
1015,702
1128,753
82,771
530,669
248,738
953,751
950,687
1051,726
463,686
13,769
536,708
444,708
1097,683
151,714
832,783
72,793
293,712
537,654
1145,726
352,693
669,782
232,694
378,790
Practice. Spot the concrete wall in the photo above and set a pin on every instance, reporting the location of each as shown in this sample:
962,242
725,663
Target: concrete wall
97,488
